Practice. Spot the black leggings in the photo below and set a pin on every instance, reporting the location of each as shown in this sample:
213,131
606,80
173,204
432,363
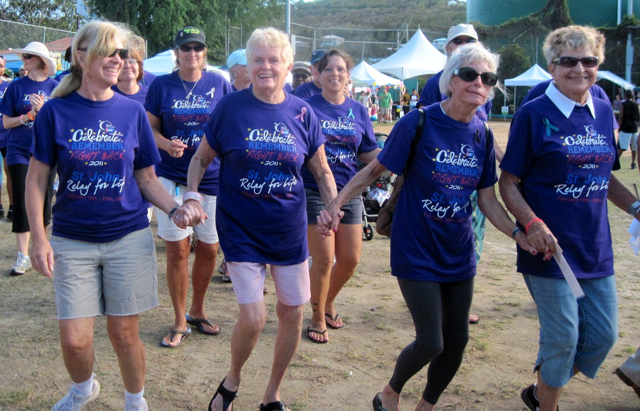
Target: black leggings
18,174
440,313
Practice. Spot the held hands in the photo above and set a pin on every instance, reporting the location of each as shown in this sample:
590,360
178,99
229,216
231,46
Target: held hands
36,102
189,214
175,148
42,257
329,220
541,238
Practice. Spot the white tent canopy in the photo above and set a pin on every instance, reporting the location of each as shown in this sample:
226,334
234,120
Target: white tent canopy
531,77
415,58
365,75
607,75
163,63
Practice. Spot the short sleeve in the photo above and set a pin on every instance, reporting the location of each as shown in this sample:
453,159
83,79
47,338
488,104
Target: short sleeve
368,142
147,153
209,129
396,149
518,157
489,175
44,147
153,103
316,138
7,106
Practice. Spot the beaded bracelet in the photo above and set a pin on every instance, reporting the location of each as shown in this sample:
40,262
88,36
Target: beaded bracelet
531,222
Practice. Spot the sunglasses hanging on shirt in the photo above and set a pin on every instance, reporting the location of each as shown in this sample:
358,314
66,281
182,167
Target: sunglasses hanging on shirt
469,74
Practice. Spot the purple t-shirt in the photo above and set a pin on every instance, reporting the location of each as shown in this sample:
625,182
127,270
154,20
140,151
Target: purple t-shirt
4,133
140,96
348,132
431,94
147,78
432,237
564,166
96,146
15,103
260,215
62,75
183,119
306,90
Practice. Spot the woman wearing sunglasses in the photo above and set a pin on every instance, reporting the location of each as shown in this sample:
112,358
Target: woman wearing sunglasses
432,244
20,106
178,106
556,179
102,246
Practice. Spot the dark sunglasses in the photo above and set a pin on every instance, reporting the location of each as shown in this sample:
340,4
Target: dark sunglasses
459,41
469,74
27,56
186,48
123,53
569,62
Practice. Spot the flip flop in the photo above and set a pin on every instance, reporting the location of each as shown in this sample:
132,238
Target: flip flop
197,322
377,403
274,406
183,336
311,330
334,319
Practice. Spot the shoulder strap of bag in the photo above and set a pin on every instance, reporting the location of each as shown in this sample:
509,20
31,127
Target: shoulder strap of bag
416,139
487,133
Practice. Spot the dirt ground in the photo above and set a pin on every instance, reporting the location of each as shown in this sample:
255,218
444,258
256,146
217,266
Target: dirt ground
341,375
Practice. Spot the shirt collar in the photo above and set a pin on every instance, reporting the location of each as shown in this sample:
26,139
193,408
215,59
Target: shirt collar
565,104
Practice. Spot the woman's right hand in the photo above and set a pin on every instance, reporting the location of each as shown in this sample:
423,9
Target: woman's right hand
175,148
36,102
542,239
42,257
189,214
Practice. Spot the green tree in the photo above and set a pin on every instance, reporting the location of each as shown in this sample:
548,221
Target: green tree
158,21
514,60
58,14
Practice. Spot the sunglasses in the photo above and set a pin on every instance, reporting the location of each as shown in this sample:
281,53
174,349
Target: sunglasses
469,74
186,48
569,62
122,53
27,56
459,41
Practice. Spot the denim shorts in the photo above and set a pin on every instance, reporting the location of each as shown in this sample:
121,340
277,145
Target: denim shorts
116,278
352,209
573,333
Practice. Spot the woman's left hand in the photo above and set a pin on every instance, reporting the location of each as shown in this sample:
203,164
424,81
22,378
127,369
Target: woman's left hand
189,214
328,222
36,102
521,239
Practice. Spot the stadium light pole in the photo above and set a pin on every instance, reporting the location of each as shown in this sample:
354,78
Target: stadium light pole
287,17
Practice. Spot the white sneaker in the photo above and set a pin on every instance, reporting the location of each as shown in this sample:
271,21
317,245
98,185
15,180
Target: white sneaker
73,402
138,406
23,262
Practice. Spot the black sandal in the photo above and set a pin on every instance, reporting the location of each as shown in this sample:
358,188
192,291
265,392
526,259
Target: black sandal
273,406
227,397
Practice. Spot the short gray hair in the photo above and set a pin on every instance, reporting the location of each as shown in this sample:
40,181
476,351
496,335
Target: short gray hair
574,38
462,57
270,37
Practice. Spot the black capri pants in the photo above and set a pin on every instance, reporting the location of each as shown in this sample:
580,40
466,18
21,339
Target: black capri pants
18,174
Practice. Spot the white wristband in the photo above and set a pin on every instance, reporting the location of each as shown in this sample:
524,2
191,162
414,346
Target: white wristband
192,195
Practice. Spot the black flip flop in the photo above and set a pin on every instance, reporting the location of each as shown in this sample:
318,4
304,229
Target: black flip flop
334,319
183,336
197,322
310,330
274,406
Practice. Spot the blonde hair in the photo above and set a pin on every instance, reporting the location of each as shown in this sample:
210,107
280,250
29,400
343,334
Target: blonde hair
574,38
99,38
270,37
462,57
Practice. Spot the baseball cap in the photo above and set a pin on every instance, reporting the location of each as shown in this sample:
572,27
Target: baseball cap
189,34
301,65
237,57
462,30
317,55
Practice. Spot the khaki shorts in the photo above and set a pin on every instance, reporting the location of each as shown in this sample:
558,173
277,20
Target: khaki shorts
115,278
292,282
168,231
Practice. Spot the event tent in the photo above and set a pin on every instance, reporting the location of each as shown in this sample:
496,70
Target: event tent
530,78
607,75
163,63
415,58
365,75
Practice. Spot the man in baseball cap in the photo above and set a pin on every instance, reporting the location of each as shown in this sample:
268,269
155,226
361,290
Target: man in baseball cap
313,87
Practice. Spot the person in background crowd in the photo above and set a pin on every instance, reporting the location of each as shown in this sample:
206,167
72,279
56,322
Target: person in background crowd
130,76
3,70
20,106
139,43
4,134
548,182
68,59
432,246
103,248
629,372
301,74
178,133
413,99
314,86
616,104
385,106
628,118
237,64
22,72
252,188
349,139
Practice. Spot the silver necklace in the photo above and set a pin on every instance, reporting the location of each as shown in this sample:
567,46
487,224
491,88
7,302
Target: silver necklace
189,92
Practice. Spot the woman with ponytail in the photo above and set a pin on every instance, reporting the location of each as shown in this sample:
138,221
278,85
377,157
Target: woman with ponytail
105,261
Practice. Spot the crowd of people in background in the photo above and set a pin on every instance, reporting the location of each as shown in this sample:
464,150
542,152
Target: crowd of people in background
210,158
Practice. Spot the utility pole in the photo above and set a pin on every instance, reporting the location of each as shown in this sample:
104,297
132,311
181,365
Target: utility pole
629,62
